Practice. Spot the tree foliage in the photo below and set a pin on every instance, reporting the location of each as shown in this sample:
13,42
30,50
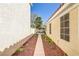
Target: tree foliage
38,22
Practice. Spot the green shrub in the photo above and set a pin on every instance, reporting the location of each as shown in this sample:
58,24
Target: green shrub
47,38
20,50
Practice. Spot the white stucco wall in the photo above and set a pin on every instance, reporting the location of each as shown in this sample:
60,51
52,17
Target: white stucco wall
14,23
33,30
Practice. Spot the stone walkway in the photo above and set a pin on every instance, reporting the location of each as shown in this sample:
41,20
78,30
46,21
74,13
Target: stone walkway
39,50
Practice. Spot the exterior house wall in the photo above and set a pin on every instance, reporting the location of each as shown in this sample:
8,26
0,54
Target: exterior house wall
71,47
78,24
14,23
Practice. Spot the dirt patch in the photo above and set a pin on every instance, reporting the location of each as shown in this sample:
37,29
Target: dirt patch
28,48
50,48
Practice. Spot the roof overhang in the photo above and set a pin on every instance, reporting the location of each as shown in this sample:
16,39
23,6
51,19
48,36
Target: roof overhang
58,11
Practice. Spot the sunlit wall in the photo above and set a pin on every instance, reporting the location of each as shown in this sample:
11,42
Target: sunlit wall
14,23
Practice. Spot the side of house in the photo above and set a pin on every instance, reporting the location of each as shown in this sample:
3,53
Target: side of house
14,23
63,28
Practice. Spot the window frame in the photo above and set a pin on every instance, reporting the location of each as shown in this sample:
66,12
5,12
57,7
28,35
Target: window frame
50,28
64,27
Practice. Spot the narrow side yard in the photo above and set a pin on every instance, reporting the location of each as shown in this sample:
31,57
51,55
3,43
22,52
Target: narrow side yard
28,48
50,48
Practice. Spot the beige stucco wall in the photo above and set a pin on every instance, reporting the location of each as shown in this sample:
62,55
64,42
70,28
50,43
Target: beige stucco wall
72,47
78,23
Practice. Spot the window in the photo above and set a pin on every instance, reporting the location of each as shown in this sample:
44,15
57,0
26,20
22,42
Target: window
64,27
49,28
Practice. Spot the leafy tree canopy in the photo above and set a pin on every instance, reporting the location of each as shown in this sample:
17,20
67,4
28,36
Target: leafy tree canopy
38,22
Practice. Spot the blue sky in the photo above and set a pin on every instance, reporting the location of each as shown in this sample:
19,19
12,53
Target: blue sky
44,10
